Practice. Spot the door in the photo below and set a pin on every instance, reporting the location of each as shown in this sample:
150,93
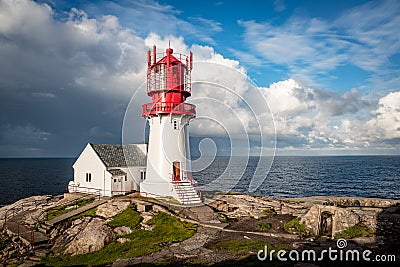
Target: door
117,188
176,170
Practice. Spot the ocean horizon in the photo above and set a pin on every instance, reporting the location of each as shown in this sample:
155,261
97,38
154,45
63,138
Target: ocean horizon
289,176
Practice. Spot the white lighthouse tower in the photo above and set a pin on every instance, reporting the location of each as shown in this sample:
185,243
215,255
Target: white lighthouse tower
168,159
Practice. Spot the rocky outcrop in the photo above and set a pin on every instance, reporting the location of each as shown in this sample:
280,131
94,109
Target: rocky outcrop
236,206
93,237
333,219
27,204
35,216
122,230
111,209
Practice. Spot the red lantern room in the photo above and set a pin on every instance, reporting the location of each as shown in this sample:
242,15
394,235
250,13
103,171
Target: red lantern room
168,83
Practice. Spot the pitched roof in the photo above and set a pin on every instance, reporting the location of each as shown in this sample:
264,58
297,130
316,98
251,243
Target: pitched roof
117,172
120,155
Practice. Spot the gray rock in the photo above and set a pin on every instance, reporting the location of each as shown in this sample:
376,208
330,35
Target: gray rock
111,209
123,240
93,237
122,230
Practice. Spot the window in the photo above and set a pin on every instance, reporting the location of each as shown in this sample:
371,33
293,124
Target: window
88,177
142,175
175,122
126,179
115,180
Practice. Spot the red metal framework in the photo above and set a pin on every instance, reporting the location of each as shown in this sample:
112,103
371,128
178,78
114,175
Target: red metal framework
168,83
169,71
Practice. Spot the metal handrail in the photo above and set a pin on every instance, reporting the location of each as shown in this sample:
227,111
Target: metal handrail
167,107
96,191
193,182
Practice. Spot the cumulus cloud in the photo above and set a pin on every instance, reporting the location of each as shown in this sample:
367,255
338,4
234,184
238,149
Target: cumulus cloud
313,118
385,123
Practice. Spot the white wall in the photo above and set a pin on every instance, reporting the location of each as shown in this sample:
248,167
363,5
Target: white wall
89,162
166,145
133,174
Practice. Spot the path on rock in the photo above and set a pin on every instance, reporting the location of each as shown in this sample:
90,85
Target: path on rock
192,247
203,215
70,214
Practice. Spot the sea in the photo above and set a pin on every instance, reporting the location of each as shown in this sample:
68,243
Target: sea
358,176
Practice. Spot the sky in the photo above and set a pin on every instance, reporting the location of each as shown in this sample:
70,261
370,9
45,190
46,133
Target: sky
318,77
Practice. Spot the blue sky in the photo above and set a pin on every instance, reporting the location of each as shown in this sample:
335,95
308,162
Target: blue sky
329,70
233,29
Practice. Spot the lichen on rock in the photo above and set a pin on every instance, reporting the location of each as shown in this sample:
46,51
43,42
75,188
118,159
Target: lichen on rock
93,237
111,209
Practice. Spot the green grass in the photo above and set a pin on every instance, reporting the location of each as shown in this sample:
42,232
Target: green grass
354,231
128,217
245,247
167,230
264,227
60,210
294,227
268,212
88,213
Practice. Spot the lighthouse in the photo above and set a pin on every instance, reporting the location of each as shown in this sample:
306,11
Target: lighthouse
168,158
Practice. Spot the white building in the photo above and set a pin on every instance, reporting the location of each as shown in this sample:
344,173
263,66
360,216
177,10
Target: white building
109,170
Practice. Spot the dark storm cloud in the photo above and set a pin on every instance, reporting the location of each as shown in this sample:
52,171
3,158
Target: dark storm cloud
63,83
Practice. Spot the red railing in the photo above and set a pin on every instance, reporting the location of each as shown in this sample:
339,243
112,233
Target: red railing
193,182
165,107
17,227
21,230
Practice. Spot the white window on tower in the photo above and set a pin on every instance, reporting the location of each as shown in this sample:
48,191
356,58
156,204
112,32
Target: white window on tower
176,125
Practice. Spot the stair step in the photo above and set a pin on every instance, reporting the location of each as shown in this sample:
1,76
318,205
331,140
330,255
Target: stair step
42,230
44,246
41,253
35,258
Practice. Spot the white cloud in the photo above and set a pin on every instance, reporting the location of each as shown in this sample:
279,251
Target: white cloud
315,119
385,123
365,37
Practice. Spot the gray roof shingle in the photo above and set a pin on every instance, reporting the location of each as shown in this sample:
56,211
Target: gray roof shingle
120,155
117,172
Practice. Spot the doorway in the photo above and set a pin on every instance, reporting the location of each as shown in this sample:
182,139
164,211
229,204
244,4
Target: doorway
326,224
176,170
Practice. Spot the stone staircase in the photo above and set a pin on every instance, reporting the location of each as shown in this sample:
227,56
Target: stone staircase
38,238
187,193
